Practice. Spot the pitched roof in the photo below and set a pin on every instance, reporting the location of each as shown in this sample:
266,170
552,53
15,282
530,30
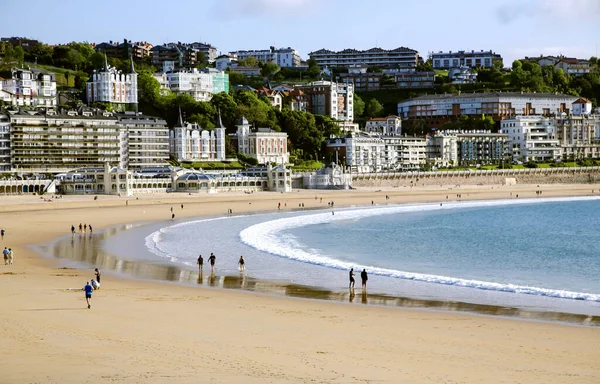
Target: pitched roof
582,100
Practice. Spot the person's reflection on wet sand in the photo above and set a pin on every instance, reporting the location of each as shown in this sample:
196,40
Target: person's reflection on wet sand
364,297
200,278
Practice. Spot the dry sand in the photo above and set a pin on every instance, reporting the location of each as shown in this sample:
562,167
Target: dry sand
150,332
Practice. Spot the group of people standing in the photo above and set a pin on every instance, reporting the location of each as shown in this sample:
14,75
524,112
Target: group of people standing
363,276
212,259
82,228
8,256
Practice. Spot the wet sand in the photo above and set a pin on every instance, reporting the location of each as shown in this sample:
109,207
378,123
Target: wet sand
141,331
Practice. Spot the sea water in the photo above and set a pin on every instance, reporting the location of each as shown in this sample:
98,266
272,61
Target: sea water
510,252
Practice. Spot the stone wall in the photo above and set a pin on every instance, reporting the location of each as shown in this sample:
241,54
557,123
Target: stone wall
538,176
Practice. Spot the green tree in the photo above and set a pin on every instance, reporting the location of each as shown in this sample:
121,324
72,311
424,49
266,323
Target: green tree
424,67
313,71
226,105
269,69
359,106
373,108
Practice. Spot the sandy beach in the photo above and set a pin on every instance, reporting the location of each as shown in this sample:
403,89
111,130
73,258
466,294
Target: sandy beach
152,332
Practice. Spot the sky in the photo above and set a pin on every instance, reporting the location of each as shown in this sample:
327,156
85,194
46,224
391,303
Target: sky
512,28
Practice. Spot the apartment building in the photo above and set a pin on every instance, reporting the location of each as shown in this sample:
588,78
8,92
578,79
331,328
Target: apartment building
189,142
199,84
283,57
5,162
400,58
183,55
578,136
438,109
532,138
125,50
225,61
264,144
472,59
414,79
390,125
110,85
570,65
335,100
43,142
144,140
209,51
462,75
29,88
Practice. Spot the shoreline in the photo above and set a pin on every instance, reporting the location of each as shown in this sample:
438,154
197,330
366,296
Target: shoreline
290,341
168,272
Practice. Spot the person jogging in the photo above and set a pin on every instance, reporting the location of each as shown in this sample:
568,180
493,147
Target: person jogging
88,294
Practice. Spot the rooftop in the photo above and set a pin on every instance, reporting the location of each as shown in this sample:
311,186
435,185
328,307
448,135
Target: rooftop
494,95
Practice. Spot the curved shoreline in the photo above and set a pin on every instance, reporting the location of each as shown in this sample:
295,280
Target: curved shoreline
228,336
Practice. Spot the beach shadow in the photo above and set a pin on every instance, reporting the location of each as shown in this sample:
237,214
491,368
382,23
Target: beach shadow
50,309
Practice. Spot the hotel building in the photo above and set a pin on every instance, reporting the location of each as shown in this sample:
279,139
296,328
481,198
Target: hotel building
532,138
400,58
110,85
447,60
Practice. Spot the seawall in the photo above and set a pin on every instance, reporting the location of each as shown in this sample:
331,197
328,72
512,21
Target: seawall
587,175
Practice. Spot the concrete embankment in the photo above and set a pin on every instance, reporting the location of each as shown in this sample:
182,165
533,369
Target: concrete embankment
588,175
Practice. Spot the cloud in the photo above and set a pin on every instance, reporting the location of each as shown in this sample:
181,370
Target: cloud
234,9
563,10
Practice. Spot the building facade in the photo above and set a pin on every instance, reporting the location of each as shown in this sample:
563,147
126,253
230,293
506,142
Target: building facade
144,140
570,65
5,158
462,75
199,84
438,109
532,138
29,88
283,57
390,125
400,58
189,142
110,85
127,49
335,100
264,144
579,136
472,59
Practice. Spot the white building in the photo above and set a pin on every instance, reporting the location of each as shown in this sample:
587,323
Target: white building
401,58
442,150
283,57
462,75
110,85
579,135
532,138
582,107
447,60
263,144
225,61
498,105
335,100
189,142
29,88
570,65
199,84
144,140
391,125
5,163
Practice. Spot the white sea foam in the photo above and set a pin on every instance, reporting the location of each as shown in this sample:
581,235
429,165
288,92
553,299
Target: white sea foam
268,237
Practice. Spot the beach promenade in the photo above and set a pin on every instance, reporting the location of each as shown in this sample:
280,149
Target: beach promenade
152,332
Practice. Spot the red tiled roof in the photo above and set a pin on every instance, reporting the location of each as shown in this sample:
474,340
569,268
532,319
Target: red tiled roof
582,100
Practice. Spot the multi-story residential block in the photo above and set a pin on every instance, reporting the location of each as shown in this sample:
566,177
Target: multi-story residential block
362,80
578,136
110,85
365,153
263,144
246,71
5,162
144,140
442,150
189,142
335,100
390,125
125,50
43,142
209,51
400,58
283,57
200,84
29,88
183,55
365,81
25,43
462,75
451,148
447,60
438,109
414,79
570,65
532,138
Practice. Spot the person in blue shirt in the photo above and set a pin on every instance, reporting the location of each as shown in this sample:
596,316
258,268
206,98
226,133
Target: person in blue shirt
88,293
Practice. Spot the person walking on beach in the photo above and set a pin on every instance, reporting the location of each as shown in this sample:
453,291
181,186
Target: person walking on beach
80,228
242,264
200,263
84,227
72,229
181,206
212,260
10,256
88,294
2,233
172,216
90,227
364,278
97,273
351,276
5,253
